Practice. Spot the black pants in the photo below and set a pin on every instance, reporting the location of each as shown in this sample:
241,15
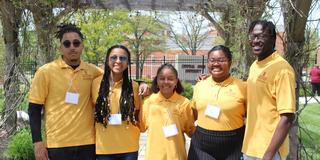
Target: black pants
120,156
315,88
86,152
216,145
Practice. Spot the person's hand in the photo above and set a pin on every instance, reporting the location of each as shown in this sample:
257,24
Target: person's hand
202,77
144,90
40,151
267,157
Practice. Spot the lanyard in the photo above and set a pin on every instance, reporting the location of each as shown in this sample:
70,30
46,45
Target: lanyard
168,112
71,82
112,86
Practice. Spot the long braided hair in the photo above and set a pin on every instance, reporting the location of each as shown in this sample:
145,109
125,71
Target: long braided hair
126,101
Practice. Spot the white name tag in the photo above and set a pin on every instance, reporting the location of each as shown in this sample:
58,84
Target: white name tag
115,119
170,130
212,111
72,98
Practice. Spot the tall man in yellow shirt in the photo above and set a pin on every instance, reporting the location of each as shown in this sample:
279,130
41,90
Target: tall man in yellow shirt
63,89
271,97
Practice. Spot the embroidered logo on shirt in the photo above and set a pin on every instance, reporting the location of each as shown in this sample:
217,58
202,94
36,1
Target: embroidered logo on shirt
263,77
230,93
87,77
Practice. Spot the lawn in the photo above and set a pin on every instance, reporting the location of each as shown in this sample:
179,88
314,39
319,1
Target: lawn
309,121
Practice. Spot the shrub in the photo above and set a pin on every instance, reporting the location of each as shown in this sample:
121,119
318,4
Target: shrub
188,90
20,146
145,80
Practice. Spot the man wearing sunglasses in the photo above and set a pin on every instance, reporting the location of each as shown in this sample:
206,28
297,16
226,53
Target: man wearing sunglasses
63,89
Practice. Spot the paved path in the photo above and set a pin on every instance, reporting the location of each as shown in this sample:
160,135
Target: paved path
142,145
315,99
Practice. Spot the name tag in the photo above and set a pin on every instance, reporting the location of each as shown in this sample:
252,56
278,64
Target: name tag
212,111
72,98
170,130
115,119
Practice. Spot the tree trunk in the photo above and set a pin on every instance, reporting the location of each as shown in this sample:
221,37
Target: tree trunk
252,11
10,18
45,26
295,17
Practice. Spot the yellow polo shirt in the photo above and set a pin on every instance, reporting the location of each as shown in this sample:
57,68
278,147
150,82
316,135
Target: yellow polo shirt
115,139
65,124
229,96
158,112
271,92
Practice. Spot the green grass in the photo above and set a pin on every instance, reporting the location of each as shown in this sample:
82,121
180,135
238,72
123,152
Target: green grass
309,121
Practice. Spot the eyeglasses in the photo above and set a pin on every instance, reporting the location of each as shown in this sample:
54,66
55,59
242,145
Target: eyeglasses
218,60
258,36
114,58
76,43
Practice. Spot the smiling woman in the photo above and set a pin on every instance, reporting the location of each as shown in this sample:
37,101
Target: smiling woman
117,107
219,63
220,104
167,115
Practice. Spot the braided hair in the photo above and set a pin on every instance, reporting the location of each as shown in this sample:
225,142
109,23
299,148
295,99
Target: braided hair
126,101
66,28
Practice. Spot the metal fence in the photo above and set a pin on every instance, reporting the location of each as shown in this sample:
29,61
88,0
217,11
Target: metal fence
188,67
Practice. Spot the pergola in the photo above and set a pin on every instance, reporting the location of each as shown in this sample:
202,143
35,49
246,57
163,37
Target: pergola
166,5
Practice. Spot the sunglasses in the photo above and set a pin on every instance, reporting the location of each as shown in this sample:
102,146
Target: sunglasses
76,43
114,58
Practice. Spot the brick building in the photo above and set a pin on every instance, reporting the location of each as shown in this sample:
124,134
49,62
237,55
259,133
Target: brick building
155,59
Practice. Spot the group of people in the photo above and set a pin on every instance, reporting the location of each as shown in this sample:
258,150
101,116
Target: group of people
94,114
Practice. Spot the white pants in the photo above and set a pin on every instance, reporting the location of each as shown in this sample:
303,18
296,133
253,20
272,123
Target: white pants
276,157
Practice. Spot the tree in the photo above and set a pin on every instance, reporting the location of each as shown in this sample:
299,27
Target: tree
295,19
102,29
144,35
46,17
10,19
1,56
232,25
194,31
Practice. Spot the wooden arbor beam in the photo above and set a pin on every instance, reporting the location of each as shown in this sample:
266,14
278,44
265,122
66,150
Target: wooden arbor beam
166,5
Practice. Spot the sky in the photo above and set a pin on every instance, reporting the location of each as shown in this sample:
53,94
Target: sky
277,16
